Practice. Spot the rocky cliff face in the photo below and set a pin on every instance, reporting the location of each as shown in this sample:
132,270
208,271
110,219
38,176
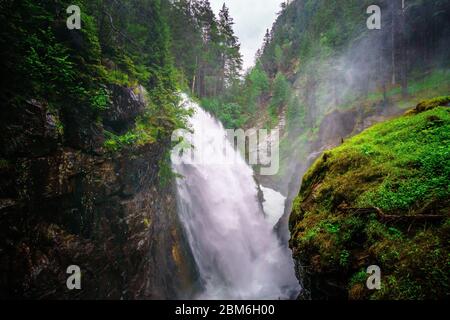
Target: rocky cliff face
109,214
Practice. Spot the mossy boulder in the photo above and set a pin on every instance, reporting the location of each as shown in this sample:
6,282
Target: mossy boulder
430,104
381,198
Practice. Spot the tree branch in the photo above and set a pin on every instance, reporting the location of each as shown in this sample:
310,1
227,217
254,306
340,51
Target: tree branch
391,217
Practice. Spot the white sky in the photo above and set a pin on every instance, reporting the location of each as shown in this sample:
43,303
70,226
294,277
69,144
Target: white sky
252,18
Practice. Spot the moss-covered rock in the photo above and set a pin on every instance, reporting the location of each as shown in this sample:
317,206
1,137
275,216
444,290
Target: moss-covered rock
430,104
382,198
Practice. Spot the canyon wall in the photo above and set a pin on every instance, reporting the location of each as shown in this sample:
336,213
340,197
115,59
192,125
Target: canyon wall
70,202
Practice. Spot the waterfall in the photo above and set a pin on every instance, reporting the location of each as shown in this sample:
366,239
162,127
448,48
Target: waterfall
237,253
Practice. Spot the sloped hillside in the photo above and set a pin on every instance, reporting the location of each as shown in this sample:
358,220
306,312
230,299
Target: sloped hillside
381,198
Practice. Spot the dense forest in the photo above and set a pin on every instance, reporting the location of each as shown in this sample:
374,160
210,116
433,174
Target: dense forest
155,44
212,61
80,67
327,51
85,161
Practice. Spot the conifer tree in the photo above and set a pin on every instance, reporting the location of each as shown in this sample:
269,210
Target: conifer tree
231,58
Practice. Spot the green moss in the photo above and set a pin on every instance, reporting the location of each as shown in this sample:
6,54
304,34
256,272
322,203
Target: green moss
432,103
402,167
359,278
143,133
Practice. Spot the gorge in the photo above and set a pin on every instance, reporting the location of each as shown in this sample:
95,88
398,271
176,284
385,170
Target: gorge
90,175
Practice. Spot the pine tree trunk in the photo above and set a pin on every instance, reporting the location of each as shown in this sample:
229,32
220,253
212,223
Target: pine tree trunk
404,54
394,68
193,85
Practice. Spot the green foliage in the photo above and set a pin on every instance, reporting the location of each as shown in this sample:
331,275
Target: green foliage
314,28
344,258
48,65
229,113
295,114
101,100
432,103
72,70
333,61
420,171
240,103
258,80
205,48
280,92
118,77
147,130
330,227
358,278
165,174
115,143
400,167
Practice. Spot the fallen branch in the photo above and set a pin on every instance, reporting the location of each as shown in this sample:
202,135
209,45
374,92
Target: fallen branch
392,217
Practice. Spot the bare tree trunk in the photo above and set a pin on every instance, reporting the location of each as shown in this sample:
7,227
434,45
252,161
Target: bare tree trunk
394,68
382,73
194,78
193,84
404,53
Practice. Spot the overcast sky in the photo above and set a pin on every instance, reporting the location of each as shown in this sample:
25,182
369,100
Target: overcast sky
252,18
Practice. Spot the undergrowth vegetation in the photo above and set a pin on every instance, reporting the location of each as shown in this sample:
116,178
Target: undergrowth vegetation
72,71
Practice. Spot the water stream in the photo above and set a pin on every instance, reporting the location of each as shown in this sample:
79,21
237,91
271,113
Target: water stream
237,253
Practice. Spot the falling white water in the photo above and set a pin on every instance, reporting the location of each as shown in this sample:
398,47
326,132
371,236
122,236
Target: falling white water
273,205
236,251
